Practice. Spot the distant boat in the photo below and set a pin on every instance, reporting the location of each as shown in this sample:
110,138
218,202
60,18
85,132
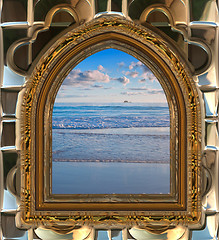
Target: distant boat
126,101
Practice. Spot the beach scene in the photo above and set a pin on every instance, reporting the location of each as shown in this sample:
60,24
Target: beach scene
110,129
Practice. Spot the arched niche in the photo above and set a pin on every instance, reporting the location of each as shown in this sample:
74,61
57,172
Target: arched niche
106,110
182,206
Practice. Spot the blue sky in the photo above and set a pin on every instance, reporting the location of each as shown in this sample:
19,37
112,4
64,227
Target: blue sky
110,76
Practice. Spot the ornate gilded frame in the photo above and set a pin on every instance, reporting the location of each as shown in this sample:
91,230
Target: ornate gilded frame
39,207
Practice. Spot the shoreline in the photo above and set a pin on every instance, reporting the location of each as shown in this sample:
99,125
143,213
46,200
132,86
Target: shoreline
134,131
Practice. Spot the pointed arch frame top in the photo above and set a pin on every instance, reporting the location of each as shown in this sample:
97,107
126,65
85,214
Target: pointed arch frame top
39,207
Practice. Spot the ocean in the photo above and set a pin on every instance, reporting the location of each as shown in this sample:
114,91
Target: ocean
110,148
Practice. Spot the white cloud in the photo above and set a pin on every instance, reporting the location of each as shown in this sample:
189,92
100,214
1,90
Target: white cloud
131,66
146,73
149,76
146,91
133,93
138,89
86,78
107,88
133,74
83,88
69,95
155,91
142,80
101,68
134,65
124,80
97,86
121,64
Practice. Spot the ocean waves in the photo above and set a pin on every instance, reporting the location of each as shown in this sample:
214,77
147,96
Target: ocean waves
108,122
118,144
101,117
114,133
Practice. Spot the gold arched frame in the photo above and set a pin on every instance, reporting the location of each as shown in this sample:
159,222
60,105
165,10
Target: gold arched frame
109,40
182,206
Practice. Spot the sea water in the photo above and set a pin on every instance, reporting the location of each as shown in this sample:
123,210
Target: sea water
110,148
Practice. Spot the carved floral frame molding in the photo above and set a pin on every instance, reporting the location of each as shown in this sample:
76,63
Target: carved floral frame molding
39,207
